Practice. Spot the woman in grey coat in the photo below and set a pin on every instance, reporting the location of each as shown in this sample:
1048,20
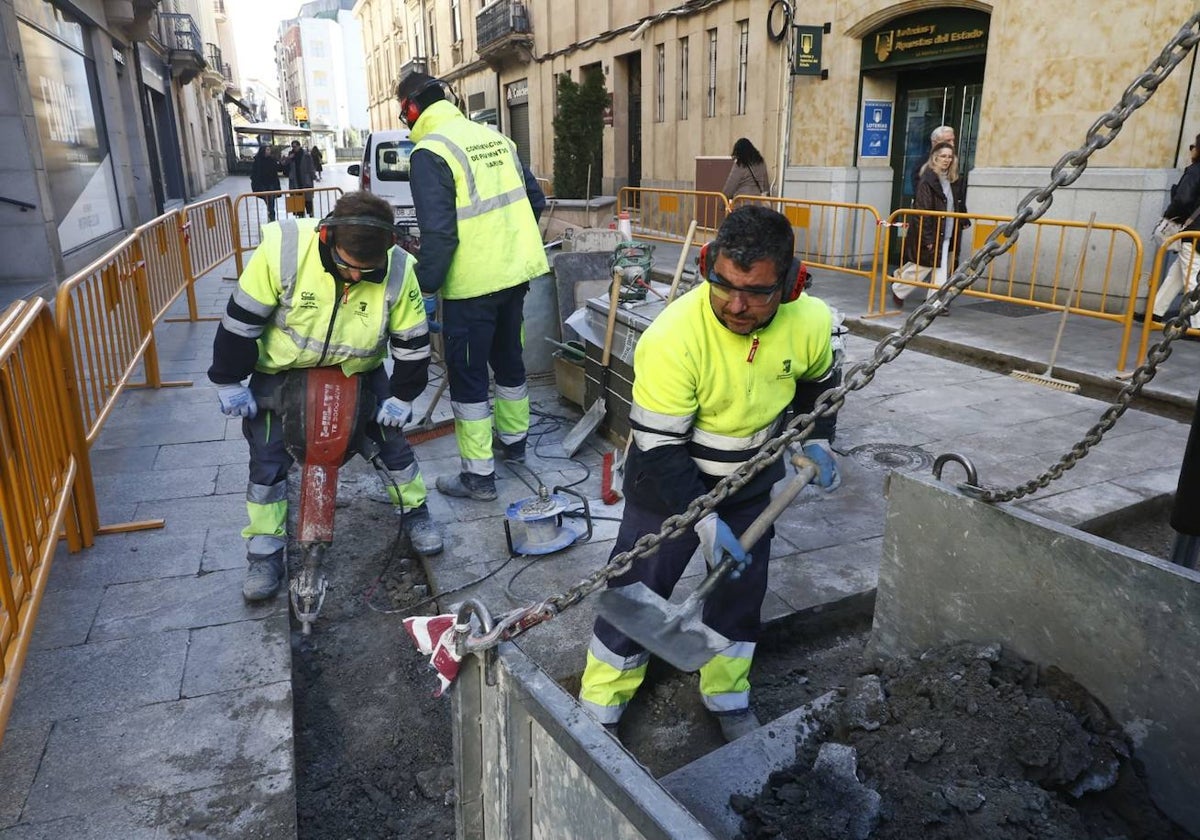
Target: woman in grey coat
749,173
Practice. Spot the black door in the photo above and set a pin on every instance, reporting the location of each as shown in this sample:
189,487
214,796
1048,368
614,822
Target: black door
635,119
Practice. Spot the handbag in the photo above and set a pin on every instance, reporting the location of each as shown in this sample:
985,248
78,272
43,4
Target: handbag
1166,228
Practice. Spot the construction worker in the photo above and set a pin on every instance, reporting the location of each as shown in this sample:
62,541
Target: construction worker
477,208
315,294
714,375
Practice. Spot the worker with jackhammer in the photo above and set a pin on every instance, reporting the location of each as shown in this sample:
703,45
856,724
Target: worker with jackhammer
477,208
337,292
715,377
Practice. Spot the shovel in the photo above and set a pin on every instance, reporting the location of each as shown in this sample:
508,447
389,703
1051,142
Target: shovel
678,634
595,413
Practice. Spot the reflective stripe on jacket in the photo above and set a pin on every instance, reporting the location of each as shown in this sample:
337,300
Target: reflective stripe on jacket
499,244
315,319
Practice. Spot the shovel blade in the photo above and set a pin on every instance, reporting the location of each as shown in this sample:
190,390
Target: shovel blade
673,633
586,425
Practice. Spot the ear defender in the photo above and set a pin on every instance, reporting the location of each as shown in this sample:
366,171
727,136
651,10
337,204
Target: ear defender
409,111
794,281
326,236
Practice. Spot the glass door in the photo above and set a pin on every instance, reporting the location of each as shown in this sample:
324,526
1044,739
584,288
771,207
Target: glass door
924,110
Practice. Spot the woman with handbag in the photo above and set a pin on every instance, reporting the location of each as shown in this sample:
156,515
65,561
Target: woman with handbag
749,173
934,244
1183,210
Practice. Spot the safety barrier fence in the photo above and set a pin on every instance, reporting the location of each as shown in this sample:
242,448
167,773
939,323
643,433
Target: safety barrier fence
1186,265
547,186
829,234
38,471
666,215
207,241
1047,268
250,213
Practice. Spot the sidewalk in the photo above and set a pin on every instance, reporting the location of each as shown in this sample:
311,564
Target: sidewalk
155,703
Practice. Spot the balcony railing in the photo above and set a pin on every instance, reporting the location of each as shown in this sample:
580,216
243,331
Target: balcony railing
212,55
185,50
179,32
500,20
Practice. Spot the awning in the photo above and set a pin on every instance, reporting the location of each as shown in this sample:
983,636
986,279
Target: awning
246,110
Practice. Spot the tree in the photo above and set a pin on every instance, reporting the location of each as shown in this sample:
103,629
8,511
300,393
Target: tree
579,134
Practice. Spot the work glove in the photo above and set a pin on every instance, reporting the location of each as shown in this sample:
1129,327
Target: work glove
821,453
717,540
431,310
394,412
237,401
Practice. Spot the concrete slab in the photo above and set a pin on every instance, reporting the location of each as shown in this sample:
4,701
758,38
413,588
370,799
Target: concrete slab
19,760
124,558
113,676
65,618
134,609
264,808
127,820
157,485
163,750
243,654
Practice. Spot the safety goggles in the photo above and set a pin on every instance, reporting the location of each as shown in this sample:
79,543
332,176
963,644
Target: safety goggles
725,290
371,275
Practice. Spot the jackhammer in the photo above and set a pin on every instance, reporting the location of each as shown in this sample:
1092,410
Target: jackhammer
325,414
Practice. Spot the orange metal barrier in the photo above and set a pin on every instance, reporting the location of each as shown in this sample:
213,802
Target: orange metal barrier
167,271
666,215
830,234
106,329
38,472
250,214
208,240
1040,269
547,186
1186,265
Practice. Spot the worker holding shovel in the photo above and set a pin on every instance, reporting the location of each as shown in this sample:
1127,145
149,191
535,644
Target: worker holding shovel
714,375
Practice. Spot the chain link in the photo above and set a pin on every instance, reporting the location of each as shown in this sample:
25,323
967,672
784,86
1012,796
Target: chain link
1032,207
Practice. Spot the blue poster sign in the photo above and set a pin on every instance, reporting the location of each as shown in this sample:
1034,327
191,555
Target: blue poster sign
877,129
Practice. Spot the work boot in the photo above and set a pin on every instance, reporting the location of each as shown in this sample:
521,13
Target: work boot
263,577
736,724
514,453
423,532
481,488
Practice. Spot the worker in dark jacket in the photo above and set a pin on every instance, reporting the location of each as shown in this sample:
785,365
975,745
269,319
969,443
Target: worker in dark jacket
477,207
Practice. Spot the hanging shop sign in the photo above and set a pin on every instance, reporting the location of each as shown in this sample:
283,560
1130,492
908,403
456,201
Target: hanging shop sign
807,60
926,37
517,93
876,129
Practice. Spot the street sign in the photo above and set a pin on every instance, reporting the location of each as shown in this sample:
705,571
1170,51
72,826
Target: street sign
299,113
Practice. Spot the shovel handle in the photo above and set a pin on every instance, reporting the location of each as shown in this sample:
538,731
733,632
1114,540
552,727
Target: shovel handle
614,301
758,528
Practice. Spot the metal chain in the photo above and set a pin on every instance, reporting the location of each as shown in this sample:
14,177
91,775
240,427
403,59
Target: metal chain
1032,207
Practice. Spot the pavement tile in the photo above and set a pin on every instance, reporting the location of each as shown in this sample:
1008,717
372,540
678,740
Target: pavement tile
263,808
1077,507
185,455
163,750
828,574
232,478
19,760
189,516
224,548
129,459
65,618
242,654
127,821
196,428
75,682
124,558
135,609
157,485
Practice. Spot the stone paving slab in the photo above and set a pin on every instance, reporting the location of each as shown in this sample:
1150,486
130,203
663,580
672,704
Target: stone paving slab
242,654
161,750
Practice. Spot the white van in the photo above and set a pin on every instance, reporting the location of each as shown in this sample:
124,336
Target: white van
384,172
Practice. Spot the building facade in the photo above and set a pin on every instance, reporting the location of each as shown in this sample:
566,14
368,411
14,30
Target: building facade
839,96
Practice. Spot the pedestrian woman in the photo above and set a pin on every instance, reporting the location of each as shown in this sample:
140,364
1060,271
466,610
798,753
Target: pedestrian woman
1183,209
264,178
749,173
317,160
935,242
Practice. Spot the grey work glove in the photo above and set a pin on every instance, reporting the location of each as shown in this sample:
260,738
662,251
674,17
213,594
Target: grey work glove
716,540
237,401
393,412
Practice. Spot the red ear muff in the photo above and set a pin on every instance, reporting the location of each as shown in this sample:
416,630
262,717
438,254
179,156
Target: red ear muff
409,112
795,281
703,261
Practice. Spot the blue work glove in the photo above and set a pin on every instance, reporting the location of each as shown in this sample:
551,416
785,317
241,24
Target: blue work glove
394,412
821,453
237,401
430,311
717,540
